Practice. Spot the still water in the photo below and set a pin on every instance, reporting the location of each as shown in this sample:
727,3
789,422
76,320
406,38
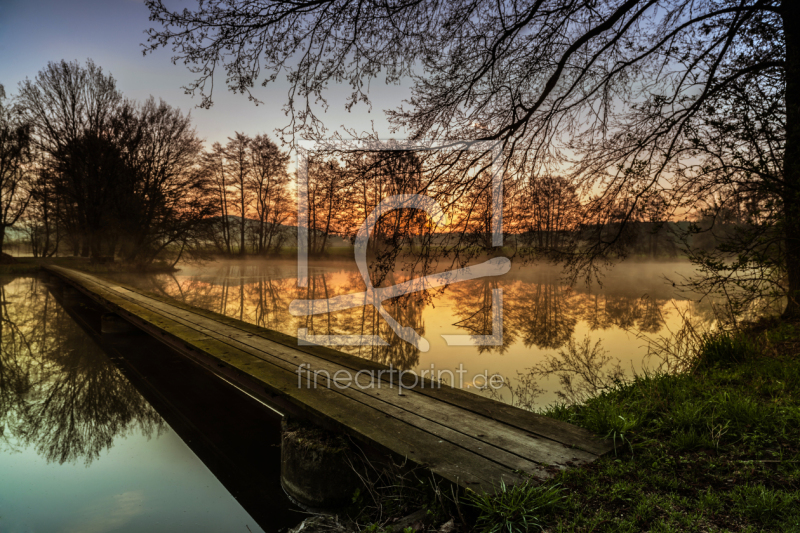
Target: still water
559,343
83,447
81,450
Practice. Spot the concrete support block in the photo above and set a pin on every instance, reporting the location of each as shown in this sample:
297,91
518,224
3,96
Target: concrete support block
316,470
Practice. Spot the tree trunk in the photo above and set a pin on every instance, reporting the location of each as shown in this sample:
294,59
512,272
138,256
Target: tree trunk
2,237
791,164
95,246
85,245
241,228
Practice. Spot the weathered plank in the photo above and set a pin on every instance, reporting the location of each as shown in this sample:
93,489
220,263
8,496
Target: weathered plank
531,423
417,406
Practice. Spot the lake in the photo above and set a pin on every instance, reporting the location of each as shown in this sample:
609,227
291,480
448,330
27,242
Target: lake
98,435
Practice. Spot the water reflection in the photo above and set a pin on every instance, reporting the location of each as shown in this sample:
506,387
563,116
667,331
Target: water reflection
80,448
542,316
58,392
473,311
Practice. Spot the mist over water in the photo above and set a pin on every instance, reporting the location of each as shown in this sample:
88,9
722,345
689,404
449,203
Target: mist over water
559,342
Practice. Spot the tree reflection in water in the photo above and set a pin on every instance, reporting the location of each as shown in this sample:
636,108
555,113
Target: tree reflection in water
59,393
543,317
582,370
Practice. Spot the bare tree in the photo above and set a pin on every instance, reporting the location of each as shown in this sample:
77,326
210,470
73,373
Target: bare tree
120,177
161,198
375,175
239,171
15,155
249,180
268,184
70,108
214,167
327,201
41,220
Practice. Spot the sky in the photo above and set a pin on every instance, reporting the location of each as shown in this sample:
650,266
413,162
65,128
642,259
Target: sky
110,32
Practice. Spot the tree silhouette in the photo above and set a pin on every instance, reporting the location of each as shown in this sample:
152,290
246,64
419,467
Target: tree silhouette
269,182
59,393
123,174
15,154
627,95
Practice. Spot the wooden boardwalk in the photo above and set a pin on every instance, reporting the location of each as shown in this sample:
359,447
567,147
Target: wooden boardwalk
467,439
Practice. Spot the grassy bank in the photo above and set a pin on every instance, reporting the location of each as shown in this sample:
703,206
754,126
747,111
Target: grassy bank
715,448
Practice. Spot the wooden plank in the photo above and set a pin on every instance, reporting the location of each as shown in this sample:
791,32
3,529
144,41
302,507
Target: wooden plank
485,437
493,434
532,423
368,425
553,457
477,473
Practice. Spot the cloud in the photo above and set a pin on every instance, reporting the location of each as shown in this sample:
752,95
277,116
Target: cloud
110,513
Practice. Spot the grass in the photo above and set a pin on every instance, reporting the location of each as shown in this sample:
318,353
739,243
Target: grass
713,449
726,349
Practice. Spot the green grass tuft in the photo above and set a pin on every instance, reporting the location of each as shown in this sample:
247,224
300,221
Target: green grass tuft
520,508
763,505
725,349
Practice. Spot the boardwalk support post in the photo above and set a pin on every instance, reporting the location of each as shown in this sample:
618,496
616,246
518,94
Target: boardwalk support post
316,467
